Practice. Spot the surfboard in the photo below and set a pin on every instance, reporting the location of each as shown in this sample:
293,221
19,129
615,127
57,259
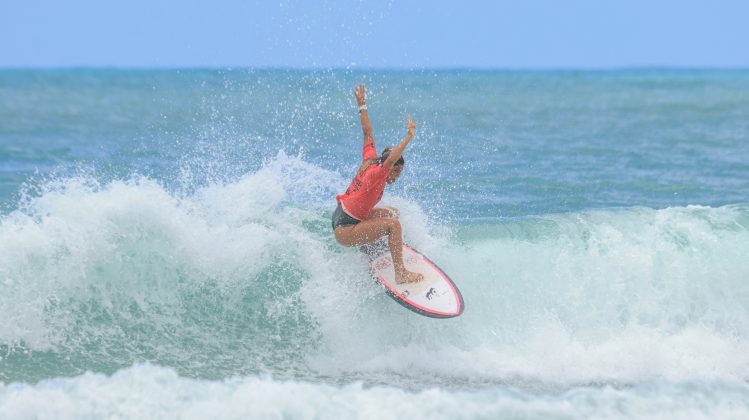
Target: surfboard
436,296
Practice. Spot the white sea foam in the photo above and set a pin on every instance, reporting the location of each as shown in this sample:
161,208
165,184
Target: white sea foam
153,392
604,296
612,296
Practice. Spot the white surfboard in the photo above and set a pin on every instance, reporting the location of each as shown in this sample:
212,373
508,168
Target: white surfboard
435,296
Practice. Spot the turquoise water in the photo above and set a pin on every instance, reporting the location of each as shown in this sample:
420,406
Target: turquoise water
165,244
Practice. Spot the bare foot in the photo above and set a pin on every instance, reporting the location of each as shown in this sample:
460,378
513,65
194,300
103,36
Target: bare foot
408,277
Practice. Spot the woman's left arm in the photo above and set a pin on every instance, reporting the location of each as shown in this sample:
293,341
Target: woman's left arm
398,150
361,103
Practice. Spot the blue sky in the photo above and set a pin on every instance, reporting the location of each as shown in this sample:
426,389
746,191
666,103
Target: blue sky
363,34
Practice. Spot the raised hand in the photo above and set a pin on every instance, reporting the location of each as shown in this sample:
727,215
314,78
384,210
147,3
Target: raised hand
411,127
361,95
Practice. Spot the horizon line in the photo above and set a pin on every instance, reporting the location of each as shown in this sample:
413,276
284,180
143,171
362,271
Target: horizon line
378,68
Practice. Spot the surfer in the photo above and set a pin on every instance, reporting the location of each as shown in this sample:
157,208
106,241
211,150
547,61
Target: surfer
356,220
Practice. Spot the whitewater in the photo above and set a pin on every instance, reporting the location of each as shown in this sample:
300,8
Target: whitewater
192,272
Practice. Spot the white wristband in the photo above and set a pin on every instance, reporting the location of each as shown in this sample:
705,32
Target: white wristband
363,108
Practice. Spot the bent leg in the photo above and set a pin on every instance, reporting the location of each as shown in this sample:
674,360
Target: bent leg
383,212
372,229
366,231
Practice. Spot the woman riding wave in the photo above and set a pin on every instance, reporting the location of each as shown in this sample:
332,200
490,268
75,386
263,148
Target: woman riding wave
356,220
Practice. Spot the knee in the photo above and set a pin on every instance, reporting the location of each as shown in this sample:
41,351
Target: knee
394,225
394,213
339,237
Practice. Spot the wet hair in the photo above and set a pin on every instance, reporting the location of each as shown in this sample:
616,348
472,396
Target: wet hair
386,153
380,160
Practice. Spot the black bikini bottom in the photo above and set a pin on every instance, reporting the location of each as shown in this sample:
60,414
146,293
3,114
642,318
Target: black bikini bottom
341,218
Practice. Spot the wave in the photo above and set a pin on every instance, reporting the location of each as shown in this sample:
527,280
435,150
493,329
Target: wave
146,391
244,277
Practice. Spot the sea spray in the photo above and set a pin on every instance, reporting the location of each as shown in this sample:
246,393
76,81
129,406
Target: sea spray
246,277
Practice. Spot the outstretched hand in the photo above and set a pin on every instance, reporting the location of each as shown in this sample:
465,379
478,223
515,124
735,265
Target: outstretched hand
361,95
411,127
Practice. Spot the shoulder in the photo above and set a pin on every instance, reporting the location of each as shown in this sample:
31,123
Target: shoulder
369,150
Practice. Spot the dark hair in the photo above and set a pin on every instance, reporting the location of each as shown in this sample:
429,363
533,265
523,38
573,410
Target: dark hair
380,160
386,153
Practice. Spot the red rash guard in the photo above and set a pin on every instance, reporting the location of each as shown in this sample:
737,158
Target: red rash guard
367,187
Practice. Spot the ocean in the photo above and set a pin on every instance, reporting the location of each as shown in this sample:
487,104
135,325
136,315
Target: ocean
166,251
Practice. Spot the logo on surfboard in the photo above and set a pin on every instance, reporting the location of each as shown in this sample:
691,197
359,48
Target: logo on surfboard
383,264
